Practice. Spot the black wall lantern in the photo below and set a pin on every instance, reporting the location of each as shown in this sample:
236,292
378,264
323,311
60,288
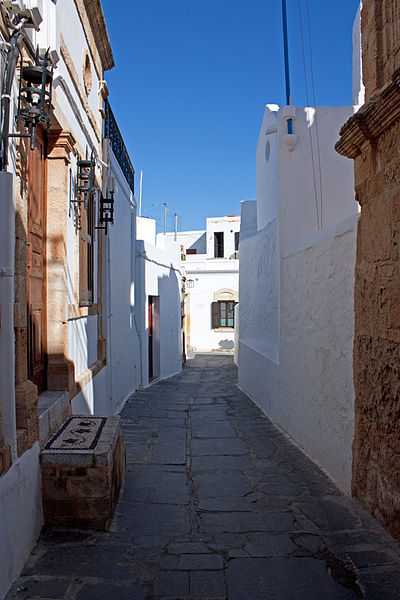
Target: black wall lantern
106,212
84,185
82,188
34,99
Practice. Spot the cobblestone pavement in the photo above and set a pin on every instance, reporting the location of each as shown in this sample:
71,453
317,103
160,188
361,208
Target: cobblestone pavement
216,504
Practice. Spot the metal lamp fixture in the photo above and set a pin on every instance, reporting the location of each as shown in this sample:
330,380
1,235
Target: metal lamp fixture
34,99
84,178
82,188
106,212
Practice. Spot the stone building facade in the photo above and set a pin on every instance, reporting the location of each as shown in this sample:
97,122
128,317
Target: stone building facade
53,256
372,138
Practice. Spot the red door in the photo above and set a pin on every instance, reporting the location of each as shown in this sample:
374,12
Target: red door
36,264
151,315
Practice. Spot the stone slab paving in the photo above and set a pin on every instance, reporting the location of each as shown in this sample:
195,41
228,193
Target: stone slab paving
216,505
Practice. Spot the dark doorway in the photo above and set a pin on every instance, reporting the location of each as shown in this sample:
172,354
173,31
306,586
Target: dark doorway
151,334
36,264
218,244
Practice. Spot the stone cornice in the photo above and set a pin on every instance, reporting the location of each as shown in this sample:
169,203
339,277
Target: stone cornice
94,26
374,118
60,144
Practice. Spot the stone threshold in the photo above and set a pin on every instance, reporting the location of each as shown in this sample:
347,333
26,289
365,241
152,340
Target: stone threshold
52,407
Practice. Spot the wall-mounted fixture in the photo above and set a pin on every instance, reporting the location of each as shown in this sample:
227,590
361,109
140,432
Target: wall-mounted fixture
106,212
28,10
34,98
82,187
84,178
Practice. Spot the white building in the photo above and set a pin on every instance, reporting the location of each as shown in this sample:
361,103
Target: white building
297,257
119,285
158,303
68,340
211,266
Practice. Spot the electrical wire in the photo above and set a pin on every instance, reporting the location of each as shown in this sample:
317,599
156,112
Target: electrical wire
309,128
316,119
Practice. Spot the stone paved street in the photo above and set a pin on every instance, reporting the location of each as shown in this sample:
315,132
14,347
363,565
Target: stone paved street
217,504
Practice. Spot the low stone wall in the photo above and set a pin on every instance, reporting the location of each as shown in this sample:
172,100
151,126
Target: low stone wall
83,468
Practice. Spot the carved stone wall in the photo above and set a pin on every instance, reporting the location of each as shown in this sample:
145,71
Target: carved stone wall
372,138
380,29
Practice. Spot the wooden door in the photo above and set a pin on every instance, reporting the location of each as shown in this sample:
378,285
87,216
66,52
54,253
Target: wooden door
36,263
151,314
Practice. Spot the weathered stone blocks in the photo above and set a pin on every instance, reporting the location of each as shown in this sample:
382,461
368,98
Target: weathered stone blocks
26,401
81,486
371,137
5,458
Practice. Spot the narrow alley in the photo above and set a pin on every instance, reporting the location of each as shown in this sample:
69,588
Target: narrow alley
216,504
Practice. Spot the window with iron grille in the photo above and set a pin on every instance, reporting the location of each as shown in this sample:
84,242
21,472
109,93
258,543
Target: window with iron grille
223,314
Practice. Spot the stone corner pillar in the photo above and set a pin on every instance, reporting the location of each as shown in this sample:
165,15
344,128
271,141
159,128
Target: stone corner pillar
60,370
371,137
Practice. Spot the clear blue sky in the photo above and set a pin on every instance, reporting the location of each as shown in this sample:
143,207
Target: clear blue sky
190,84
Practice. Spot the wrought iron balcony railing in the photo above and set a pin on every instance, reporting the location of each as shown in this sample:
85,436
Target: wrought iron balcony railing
112,133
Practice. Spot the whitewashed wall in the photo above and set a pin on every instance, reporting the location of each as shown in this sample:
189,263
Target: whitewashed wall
146,230
307,388
110,388
296,291
68,24
123,349
266,168
158,274
228,225
248,222
208,277
259,291
193,240
297,202
21,516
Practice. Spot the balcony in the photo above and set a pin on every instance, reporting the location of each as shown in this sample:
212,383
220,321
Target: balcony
113,134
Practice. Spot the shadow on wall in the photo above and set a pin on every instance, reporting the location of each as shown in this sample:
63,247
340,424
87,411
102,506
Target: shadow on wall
226,344
169,291
200,245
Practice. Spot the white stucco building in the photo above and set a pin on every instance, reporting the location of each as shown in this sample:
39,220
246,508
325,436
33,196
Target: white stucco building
68,339
158,302
210,260
297,257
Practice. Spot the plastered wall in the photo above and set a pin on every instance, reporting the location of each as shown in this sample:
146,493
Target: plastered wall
158,274
200,297
296,289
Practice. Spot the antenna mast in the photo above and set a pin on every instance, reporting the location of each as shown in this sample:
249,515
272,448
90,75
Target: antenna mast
165,217
140,193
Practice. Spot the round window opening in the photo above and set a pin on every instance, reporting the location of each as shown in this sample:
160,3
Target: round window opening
87,74
267,150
